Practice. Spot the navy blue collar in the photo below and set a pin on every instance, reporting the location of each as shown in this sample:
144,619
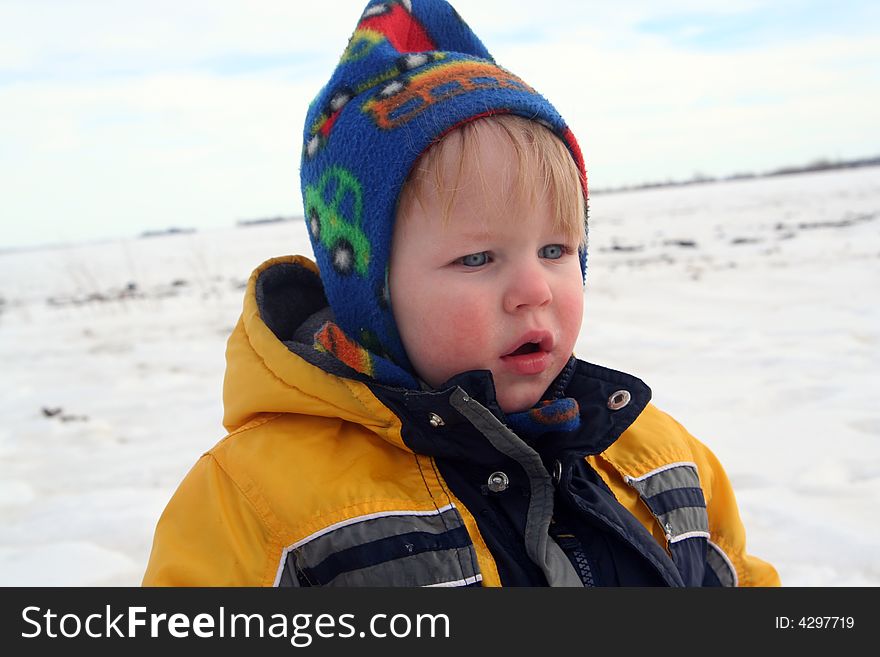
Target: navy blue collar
433,427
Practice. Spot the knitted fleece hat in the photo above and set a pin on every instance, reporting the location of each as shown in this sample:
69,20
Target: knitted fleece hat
412,72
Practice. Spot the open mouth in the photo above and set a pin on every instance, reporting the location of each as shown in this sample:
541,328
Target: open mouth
531,343
532,354
527,348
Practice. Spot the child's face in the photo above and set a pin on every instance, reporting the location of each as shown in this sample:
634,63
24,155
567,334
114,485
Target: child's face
487,289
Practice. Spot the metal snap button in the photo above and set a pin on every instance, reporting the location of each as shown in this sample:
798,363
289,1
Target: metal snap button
619,399
498,482
435,420
557,471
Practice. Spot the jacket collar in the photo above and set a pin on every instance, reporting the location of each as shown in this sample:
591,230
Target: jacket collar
286,296
432,425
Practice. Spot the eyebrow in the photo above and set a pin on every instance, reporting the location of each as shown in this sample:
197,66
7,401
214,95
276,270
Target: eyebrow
475,236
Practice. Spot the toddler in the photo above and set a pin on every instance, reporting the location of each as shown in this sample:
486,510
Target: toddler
408,411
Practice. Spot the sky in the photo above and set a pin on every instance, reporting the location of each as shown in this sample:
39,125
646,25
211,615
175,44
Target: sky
124,117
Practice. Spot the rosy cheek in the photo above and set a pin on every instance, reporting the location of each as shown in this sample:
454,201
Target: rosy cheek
569,302
574,314
431,338
458,327
451,324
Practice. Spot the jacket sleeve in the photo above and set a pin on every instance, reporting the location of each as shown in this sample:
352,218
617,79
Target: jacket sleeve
727,533
210,534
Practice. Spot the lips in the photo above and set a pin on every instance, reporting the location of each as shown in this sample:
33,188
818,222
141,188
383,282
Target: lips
530,342
530,353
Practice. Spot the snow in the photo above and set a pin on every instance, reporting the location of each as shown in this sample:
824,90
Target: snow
749,307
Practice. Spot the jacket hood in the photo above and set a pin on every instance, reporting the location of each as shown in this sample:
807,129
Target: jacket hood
272,365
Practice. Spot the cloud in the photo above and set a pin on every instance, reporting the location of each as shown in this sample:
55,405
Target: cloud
651,111
128,116
756,25
184,150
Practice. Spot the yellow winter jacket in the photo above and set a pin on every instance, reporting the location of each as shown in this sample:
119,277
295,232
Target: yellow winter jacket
315,461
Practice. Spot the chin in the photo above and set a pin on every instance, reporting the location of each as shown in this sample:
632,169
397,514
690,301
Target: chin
514,403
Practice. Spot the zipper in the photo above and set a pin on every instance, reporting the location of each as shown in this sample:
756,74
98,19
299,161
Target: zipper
578,558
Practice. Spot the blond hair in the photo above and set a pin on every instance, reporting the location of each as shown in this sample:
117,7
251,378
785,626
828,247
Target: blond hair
545,169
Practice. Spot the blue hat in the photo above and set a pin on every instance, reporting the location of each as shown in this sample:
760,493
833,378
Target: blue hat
412,72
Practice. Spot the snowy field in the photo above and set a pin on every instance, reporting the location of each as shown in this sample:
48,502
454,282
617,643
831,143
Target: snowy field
749,307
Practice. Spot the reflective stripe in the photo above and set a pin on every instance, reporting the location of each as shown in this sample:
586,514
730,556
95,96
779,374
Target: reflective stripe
470,581
373,529
282,577
685,522
394,548
687,535
667,477
425,569
674,496
376,554
721,565
369,516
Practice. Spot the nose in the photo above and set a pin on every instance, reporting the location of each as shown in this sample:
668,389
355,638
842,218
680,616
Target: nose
527,287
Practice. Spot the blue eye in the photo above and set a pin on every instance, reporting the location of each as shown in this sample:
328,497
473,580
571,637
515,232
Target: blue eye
552,251
475,259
